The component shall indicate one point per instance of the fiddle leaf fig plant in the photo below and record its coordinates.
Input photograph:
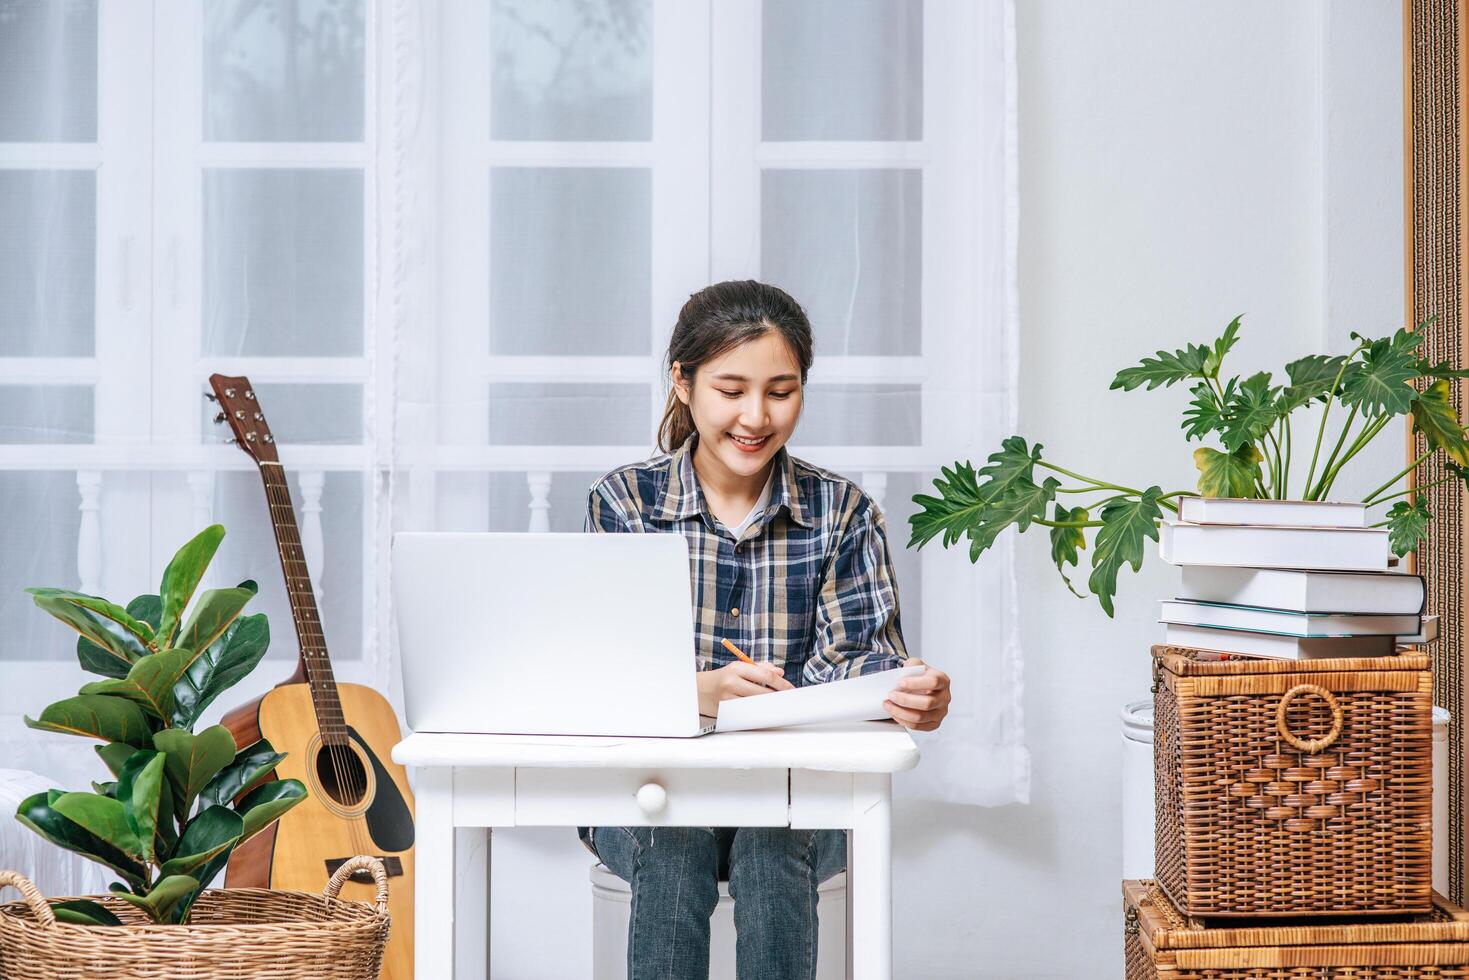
(179, 802)
(1250, 420)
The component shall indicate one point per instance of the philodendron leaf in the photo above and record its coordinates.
(1228, 474)
(208, 834)
(1379, 383)
(1204, 413)
(223, 664)
(1068, 542)
(1436, 417)
(1443, 369)
(81, 912)
(1407, 524)
(1250, 411)
(114, 640)
(1022, 504)
(36, 812)
(1222, 346)
(253, 765)
(1165, 369)
(193, 760)
(140, 790)
(212, 615)
(1312, 377)
(182, 576)
(150, 682)
(165, 896)
(102, 817)
(1011, 468)
(1125, 524)
(262, 805)
(100, 716)
(952, 514)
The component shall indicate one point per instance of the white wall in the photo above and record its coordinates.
(1180, 164)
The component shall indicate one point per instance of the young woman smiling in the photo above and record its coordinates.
(790, 563)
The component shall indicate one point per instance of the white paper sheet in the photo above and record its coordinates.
(853, 699)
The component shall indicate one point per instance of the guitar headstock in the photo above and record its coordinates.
(240, 409)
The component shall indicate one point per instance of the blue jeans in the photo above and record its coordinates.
(675, 872)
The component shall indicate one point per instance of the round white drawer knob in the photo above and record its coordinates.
(652, 798)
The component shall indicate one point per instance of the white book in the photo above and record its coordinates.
(1327, 548)
(1303, 590)
(1427, 634)
(852, 699)
(1283, 513)
(1184, 612)
(1279, 647)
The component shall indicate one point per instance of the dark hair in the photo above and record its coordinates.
(717, 319)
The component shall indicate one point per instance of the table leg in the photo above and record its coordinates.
(433, 890)
(472, 902)
(870, 881)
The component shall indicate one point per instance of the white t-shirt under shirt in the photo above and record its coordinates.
(760, 505)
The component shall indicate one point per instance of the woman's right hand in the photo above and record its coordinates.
(738, 680)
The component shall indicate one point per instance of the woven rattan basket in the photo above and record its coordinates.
(234, 934)
(1288, 787)
(1160, 944)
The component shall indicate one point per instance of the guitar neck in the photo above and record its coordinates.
(315, 664)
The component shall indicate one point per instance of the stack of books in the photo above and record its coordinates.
(1290, 579)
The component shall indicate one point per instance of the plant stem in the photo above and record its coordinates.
(1399, 475)
(1427, 486)
(1321, 430)
(1360, 443)
(1276, 468)
(1043, 521)
(1285, 490)
(1097, 484)
(1320, 488)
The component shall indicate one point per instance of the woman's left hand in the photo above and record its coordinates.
(921, 701)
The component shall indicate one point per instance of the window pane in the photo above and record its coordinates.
(570, 261)
(249, 551)
(530, 414)
(847, 244)
(572, 70)
(39, 550)
(842, 70)
(48, 246)
(861, 415)
(283, 71)
(48, 71)
(317, 414)
(45, 414)
(283, 262)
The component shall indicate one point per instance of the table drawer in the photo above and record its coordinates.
(653, 797)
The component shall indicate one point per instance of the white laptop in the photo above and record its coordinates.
(546, 633)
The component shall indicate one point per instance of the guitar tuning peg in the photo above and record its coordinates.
(250, 394)
(210, 396)
(269, 437)
(219, 418)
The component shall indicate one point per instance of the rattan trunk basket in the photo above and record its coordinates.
(234, 934)
(1289, 787)
(1160, 944)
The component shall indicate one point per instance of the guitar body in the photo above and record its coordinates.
(367, 809)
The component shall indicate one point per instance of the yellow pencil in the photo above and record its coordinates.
(738, 652)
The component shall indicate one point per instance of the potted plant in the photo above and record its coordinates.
(1249, 419)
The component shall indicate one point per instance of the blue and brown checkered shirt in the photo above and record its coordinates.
(809, 586)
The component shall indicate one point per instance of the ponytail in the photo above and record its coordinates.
(677, 424)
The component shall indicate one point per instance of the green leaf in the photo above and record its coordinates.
(982, 510)
(1068, 542)
(105, 789)
(264, 804)
(140, 790)
(81, 912)
(253, 764)
(1407, 525)
(101, 716)
(229, 659)
(115, 755)
(1204, 414)
(1437, 418)
(951, 514)
(1443, 369)
(1222, 346)
(1013, 466)
(95, 660)
(1380, 382)
(102, 817)
(1165, 369)
(1311, 378)
(108, 636)
(150, 682)
(1250, 411)
(193, 760)
(1228, 474)
(182, 576)
(212, 615)
(115, 614)
(36, 812)
(165, 896)
(1021, 504)
(210, 833)
(1125, 524)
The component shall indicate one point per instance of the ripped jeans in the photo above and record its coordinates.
(674, 873)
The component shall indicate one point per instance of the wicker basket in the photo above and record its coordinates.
(1290, 787)
(1160, 944)
(234, 934)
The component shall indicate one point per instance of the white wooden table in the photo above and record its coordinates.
(826, 776)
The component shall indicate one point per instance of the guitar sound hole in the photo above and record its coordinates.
(341, 775)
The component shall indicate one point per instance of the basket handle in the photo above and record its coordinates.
(32, 895)
(355, 864)
(1308, 746)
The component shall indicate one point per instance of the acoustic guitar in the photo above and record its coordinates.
(336, 737)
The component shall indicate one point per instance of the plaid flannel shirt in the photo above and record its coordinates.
(809, 586)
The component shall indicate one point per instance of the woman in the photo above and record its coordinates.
(790, 563)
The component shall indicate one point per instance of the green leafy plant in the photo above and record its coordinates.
(179, 802)
(1250, 419)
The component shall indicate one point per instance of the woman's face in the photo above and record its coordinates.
(745, 403)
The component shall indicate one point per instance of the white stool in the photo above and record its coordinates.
(612, 907)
